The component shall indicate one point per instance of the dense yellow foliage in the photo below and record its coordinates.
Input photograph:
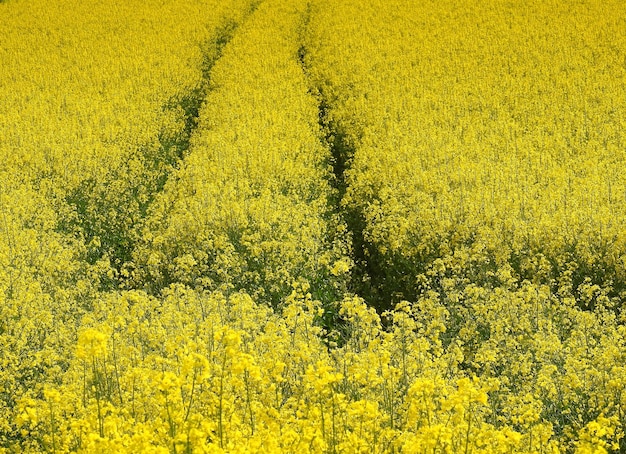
(90, 101)
(250, 207)
(93, 103)
(486, 134)
(203, 203)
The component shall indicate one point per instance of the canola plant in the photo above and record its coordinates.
(312, 226)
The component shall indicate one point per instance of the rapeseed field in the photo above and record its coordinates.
(325, 226)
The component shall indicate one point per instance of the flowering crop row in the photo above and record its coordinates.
(96, 102)
(483, 144)
(250, 208)
(93, 97)
(485, 135)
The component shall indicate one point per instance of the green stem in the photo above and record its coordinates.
(53, 428)
(247, 383)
